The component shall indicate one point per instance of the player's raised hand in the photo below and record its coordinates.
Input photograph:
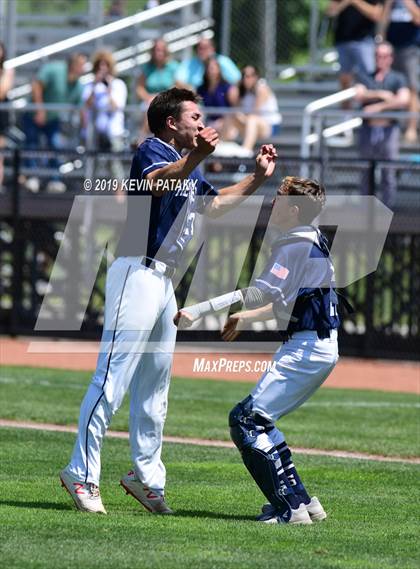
(183, 320)
(231, 328)
(206, 141)
(266, 161)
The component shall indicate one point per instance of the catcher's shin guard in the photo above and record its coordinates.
(262, 468)
(259, 456)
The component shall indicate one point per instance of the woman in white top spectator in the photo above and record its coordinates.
(105, 99)
(260, 117)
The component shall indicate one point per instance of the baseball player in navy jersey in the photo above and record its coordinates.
(140, 301)
(297, 288)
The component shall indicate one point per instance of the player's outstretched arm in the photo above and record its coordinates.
(241, 320)
(250, 298)
(206, 142)
(231, 196)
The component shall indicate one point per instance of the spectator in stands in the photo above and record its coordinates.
(158, 74)
(105, 99)
(354, 36)
(116, 9)
(216, 92)
(383, 90)
(56, 82)
(402, 18)
(6, 83)
(190, 73)
(260, 117)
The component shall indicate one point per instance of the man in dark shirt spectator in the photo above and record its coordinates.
(383, 90)
(403, 32)
(354, 36)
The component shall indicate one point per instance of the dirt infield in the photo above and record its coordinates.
(207, 442)
(350, 373)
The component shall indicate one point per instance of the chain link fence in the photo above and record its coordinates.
(267, 33)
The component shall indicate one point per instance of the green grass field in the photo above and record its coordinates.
(372, 506)
(366, 421)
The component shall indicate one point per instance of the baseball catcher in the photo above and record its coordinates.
(297, 288)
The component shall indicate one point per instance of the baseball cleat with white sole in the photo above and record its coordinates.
(266, 508)
(85, 495)
(149, 499)
(271, 516)
(315, 510)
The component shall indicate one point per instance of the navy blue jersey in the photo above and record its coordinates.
(300, 273)
(172, 214)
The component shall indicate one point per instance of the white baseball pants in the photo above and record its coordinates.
(137, 346)
(302, 364)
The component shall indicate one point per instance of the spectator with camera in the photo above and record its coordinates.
(105, 98)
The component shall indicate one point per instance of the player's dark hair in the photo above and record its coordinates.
(168, 104)
(297, 189)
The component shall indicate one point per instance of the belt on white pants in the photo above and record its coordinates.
(158, 266)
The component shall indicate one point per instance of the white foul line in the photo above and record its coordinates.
(208, 442)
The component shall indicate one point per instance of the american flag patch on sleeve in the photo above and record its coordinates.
(279, 271)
